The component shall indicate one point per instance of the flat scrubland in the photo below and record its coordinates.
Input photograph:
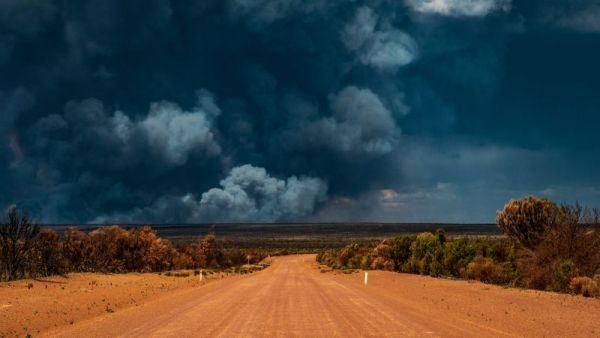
(293, 297)
(294, 237)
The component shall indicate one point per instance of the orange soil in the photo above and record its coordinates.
(57, 301)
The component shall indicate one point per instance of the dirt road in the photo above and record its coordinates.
(293, 298)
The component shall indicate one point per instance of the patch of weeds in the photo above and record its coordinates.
(181, 274)
(177, 274)
(30, 286)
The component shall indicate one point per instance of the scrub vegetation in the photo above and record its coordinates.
(546, 247)
(28, 252)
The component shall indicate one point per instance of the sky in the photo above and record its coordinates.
(189, 111)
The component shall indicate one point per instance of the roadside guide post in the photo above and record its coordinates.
(366, 277)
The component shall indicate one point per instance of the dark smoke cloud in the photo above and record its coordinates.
(360, 125)
(289, 110)
(112, 141)
(247, 194)
(383, 47)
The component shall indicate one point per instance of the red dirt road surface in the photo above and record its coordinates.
(294, 298)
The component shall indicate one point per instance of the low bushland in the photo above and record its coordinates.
(486, 259)
(546, 247)
(28, 252)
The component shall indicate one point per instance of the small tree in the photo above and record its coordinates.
(17, 236)
(48, 255)
(400, 250)
(576, 239)
(528, 219)
(77, 250)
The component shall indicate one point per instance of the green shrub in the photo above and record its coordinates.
(365, 262)
(427, 254)
(457, 255)
(400, 250)
(564, 273)
(354, 262)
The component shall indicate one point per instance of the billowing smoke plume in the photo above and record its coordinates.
(360, 125)
(106, 140)
(247, 194)
(459, 7)
(384, 48)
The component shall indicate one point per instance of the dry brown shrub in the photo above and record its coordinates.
(585, 286)
(349, 252)
(146, 252)
(204, 253)
(48, 255)
(576, 238)
(382, 263)
(77, 250)
(528, 219)
(570, 248)
(108, 248)
(18, 233)
(182, 260)
(383, 250)
(166, 256)
(481, 269)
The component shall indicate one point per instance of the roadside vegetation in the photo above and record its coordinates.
(546, 247)
(28, 251)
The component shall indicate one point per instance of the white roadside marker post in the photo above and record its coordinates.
(201, 274)
(366, 277)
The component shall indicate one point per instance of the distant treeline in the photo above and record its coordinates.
(26, 251)
(288, 238)
(547, 247)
